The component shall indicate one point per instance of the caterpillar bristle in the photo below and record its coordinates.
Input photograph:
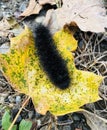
(52, 62)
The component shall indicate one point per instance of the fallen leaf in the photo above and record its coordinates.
(42, 2)
(33, 8)
(51, 22)
(22, 69)
(89, 15)
(4, 25)
(78, 129)
(7, 26)
(95, 121)
(4, 48)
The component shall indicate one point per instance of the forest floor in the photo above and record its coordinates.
(90, 46)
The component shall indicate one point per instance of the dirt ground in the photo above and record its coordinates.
(95, 116)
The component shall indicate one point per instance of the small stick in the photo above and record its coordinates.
(10, 128)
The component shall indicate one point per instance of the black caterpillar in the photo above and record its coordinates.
(50, 59)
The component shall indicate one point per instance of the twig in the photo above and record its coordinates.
(10, 128)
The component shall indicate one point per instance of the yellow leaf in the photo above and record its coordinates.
(22, 69)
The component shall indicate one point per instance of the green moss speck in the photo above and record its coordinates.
(4, 69)
(12, 51)
(22, 80)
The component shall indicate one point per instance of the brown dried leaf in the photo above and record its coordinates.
(78, 129)
(96, 122)
(4, 25)
(9, 26)
(33, 8)
(90, 15)
(51, 21)
(42, 2)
